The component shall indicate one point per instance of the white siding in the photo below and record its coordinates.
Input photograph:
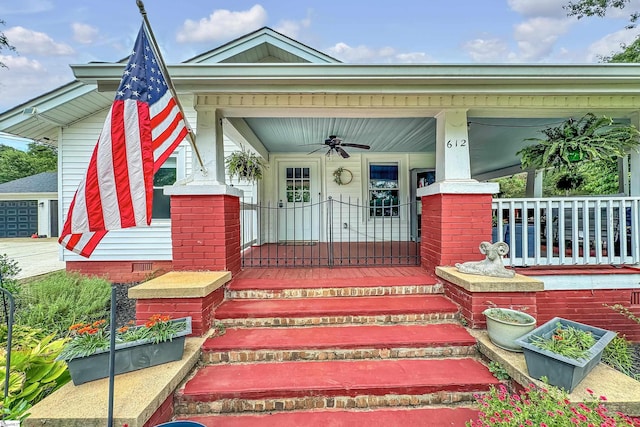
(141, 243)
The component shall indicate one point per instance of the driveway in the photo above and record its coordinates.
(34, 256)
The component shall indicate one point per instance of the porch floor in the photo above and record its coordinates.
(340, 254)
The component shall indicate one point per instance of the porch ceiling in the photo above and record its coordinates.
(493, 141)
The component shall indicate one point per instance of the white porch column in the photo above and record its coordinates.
(634, 162)
(534, 183)
(209, 141)
(452, 146)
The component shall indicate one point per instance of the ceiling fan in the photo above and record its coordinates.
(336, 144)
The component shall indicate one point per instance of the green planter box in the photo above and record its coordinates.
(562, 371)
(129, 357)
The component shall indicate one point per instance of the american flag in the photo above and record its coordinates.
(143, 127)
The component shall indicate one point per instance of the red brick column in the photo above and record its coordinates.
(205, 232)
(453, 226)
(201, 309)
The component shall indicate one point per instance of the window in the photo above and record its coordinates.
(384, 193)
(298, 185)
(166, 175)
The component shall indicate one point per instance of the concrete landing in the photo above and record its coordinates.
(622, 392)
(137, 395)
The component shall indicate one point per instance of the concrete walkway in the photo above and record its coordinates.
(34, 256)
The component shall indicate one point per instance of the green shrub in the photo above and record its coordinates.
(34, 371)
(619, 355)
(59, 300)
(8, 271)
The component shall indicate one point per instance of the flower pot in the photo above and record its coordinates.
(562, 371)
(129, 356)
(504, 325)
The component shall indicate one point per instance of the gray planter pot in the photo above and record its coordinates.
(559, 370)
(129, 357)
(505, 325)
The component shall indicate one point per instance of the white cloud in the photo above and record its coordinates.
(84, 33)
(365, 54)
(222, 24)
(538, 8)
(27, 78)
(610, 44)
(33, 42)
(292, 28)
(536, 37)
(486, 50)
(21, 64)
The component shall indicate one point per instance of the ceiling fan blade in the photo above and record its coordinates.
(317, 149)
(343, 153)
(347, 144)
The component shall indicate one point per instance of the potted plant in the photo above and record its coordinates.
(564, 351)
(245, 165)
(573, 142)
(504, 325)
(159, 340)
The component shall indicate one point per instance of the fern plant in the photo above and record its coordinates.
(245, 165)
(564, 147)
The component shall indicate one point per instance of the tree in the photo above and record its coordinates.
(15, 164)
(600, 8)
(4, 44)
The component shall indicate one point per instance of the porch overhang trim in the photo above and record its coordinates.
(537, 78)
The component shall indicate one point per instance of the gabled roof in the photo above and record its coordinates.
(263, 45)
(45, 182)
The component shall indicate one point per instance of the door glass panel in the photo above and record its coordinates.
(298, 185)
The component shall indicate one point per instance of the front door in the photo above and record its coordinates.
(299, 217)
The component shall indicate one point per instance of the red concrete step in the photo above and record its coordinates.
(366, 336)
(424, 417)
(335, 306)
(337, 378)
(328, 282)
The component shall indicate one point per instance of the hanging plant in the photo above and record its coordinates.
(338, 176)
(245, 165)
(567, 145)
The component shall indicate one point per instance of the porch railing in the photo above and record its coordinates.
(332, 232)
(569, 230)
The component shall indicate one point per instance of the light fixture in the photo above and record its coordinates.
(30, 111)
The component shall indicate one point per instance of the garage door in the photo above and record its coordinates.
(18, 218)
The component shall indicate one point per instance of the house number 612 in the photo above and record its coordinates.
(453, 143)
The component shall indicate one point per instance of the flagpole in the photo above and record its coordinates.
(167, 77)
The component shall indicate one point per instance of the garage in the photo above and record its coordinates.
(29, 206)
(18, 218)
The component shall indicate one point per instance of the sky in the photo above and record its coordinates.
(51, 34)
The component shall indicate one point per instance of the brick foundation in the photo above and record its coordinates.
(120, 271)
(587, 306)
(205, 232)
(453, 225)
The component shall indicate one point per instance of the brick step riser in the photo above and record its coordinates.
(247, 356)
(385, 319)
(334, 292)
(185, 407)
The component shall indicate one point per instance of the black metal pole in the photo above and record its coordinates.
(12, 308)
(112, 354)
